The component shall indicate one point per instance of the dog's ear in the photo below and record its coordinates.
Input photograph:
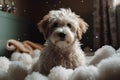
(42, 26)
(83, 26)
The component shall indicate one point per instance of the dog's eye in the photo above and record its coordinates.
(55, 25)
(69, 25)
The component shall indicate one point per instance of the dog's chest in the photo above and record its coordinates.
(67, 59)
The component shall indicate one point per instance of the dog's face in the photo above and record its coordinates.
(62, 27)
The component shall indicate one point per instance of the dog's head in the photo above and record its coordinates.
(62, 27)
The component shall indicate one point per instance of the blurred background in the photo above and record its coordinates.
(18, 19)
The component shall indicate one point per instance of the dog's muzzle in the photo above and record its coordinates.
(62, 36)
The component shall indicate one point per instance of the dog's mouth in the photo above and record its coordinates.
(62, 41)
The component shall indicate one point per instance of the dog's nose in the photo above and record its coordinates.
(62, 36)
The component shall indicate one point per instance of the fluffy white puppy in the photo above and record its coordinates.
(62, 30)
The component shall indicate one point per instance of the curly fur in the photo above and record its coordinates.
(61, 51)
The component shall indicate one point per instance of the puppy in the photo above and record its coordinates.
(62, 30)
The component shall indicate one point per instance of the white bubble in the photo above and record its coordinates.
(96, 37)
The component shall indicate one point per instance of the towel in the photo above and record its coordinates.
(23, 47)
